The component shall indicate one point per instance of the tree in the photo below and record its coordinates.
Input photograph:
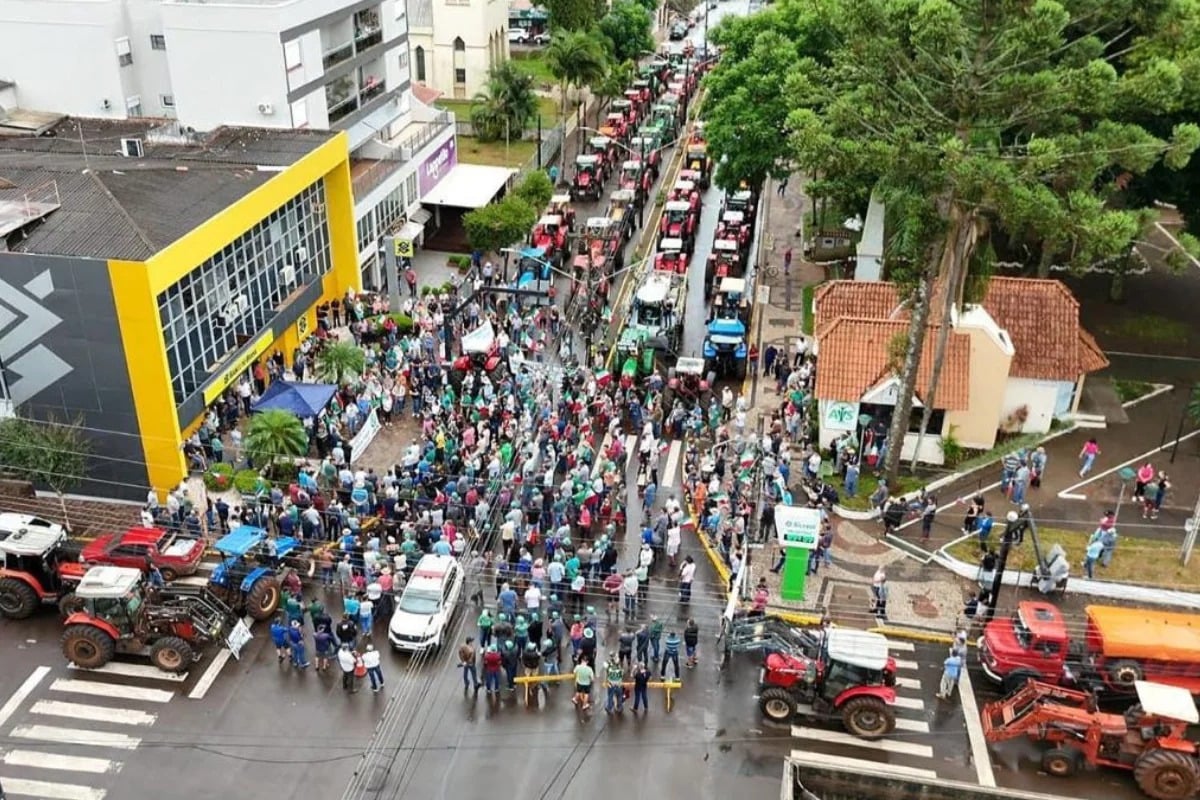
(576, 59)
(499, 225)
(535, 189)
(617, 78)
(49, 453)
(572, 15)
(972, 121)
(340, 362)
(626, 29)
(276, 435)
(1193, 404)
(506, 104)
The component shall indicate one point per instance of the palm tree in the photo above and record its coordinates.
(505, 105)
(340, 362)
(275, 435)
(612, 85)
(576, 59)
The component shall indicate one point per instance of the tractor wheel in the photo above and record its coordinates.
(868, 717)
(1017, 680)
(18, 600)
(168, 574)
(1167, 774)
(777, 704)
(171, 654)
(1060, 762)
(87, 646)
(1124, 673)
(68, 604)
(263, 598)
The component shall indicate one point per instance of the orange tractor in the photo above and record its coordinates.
(1149, 739)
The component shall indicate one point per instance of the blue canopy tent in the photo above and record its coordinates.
(302, 399)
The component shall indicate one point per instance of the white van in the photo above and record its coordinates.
(427, 605)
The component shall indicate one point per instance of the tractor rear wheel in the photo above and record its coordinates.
(1167, 774)
(868, 717)
(1060, 762)
(777, 704)
(171, 654)
(18, 600)
(68, 604)
(87, 646)
(1017, 679)
(263, 599)
(168, 574)
(1125, 673)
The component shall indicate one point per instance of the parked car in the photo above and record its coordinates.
(518, 36)
(174, 554)
(541, 38)
(427, 605)
(679, 31)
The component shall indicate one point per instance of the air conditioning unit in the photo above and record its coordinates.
(132, 148)
(266, 109)
(302, 253)
(288, 274)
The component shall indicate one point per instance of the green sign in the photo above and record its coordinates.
(797, 526)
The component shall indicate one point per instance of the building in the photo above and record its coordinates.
(455, 43)
(135, 288)
(1013, 363)
(279, 64)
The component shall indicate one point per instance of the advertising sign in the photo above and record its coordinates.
(798, 526)
(370, 428)
(239, 366)
(437, 166)
(840, 416)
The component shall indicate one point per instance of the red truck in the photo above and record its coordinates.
(174, 554)
(1119, 647)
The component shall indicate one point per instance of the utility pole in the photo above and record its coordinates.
(1014, 533)
(392, 271)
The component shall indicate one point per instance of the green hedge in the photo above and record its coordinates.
(219, 477)
(247, 481)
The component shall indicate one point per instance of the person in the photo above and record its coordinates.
(641, 681)
(280, 637)
(687, 573)
(370, 660)
(879, 594)
(347, 661)
(492, 664)
(1087, 456)
(485, 628)
(324, 646)
(951, 670)
(583, 685)
(466, 660)
(691, 639)
(615, 677)
(1094, 549)
(670, 654)
(299, 651)
(983, 529)
(346, 631)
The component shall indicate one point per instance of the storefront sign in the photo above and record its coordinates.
(840, 416)
(369, 430)
(437, 166)
(404, 248)
(798, 526)
(235, 370)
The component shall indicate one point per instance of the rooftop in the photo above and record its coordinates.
(872, 299)
(854, 352)
(115, 207)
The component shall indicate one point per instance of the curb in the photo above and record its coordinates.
(1159, 389)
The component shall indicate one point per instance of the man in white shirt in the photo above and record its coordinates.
(370, 658)
(533, 598)
(687, 573)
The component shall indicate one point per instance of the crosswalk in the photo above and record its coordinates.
(907, 751)
(669, 470)
(70, 735)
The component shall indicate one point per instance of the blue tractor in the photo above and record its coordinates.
(725, 350)
(247, 577)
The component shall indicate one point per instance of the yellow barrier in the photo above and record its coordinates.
(536, 680)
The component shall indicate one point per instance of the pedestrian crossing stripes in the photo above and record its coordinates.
(668, 473)
(44, 760)
(145, 671)
(18, 787)
(119, 716)
(843, 739)
(79, 736)
(111, 690)
(831, 760)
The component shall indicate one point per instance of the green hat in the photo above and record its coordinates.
(531, 648)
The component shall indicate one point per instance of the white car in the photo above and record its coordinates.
(541, 38)
(518, 35)
(427, 605)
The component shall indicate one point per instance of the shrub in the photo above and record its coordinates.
(219, 477)
(448, 287)
(952, 450)
(247, 481)
(425, 290)
(459, 261)
(404, 323)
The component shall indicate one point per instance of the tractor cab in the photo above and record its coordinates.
(696, 160)
(685, 190)
(597, 245)
(37, 565)
(725, 349)
(625, 109)
(732, 227)
(560, 204)
(723, 261)
(644, 89)
(659, 67)
(635, 178)
(678, 225)
(741, 200)
(634, 99)
(686, 381)
(605, 148)
(623, 205)
(550, 236)
(666, 115)
(671, 257)
(730, 301)
(615, 126)
(680, 87)
(587, 178)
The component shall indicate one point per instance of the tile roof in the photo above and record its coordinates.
(867, 299)
(1042, 319)
(854, 358)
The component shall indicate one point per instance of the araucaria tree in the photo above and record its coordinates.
(974, 118)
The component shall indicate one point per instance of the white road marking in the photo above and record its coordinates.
(630, 448)
(840, 738)
(912, 703)
(118, 716)
(902, 664)
(136, 671)
(1070, 494)
(111, 690)
(912, 725)
(210, 675)
(979, 749)
(668, 477)
(844, 762)
(53, 733)
(906, 647)
(41, 760)
(191, 580)
(908, 683)
(21, 694)
(51, 791)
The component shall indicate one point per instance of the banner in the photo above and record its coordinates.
(367, 433)
(479, 340)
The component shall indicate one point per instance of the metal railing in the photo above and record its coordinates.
(397, 154)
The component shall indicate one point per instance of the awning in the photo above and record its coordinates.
(421, 216)
(410, 231)
(468, 186)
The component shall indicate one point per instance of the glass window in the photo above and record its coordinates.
(133, 106)
(410, 188)
(460, 75)
(124, 51)
(300, 114)
(291, 55)
(420, 52)
(158, 41)
(459, 45)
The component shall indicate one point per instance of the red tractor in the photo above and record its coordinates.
(588, 181)
(606, 148)
(742, 200)
(723, 262)
(550, 235)
(733, 227)
(685, 190)
(625, 108)
(671, 257)
(560, 205)
(636, 106)
(635, 178)
(37, 565)
(678, 225)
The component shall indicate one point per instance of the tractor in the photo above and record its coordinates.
(606, 149)
(731, 301)
(733, 227)
(37, 565)
(724, 348)
(837, 673)
(635, 178)
(615, 126)
(671, 257)
(650, 143)
(698, 161)
(678, 224)
(741, 200)
(1150, 738)
(117, 612)
(636, 106)
(685, 191)
(247, 578)
(588, 181)
(623, 206)
(723, 262)
(666, 114)
(560, 205)
(550, 236)
(625, 108)
(687, 383)
(645, 89)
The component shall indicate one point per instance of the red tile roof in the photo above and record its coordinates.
(854, 359)
(426, 95)
(1042, 319)
(866, 299)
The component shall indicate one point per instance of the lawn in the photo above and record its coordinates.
(1142, 561)
(472, 151)
(1149, 329)
(866, 485)
(462, 110)
(1131, 390)
(534, 63)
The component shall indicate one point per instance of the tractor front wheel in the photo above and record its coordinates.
(87, 646)
(1167, 774)
(868, 717)
(263, 599)
(777, 704)
(69, 603)
(1125, 673)
(1060, 762)
(18, 600)
(171, 654)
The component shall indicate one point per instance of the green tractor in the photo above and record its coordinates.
(655, 324)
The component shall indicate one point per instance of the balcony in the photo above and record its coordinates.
(331, 58)
(337, 43)
(378, 158)
(341, 98)
(370, 80)
(367, 30)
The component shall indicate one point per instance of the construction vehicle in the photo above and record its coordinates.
(588, 181)
(671, 257)
(1150, 739)
(654, 325)
(606, 149)
(679, 225)
(118, 612)
(636, 178)
(560, 205)
(723, 262)
(622, 210)
(550, 237)
(832, 673)
(247, 579)
(1119, 647)
(38, 566)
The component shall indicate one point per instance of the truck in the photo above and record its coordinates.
(1119, 647)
